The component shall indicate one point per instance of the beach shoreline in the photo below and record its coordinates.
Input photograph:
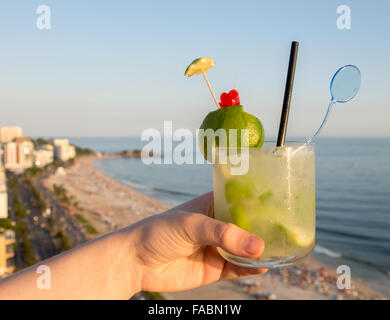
(108, 205)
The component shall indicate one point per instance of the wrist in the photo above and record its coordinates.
(125, 272)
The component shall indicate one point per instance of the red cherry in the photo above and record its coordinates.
(235, 97)
(229, 99)
(225, 100)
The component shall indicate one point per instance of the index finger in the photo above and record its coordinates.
(203, 204)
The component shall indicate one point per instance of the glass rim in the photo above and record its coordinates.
(288, 144)
(290, 141)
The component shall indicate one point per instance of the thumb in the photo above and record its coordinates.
(204, 230)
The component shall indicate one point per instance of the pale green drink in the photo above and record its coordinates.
(275, 200)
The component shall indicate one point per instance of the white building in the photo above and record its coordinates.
(44, 155)
(18, 154)
(7, 134)
(3, 204)
(3, 194)
(63, 150)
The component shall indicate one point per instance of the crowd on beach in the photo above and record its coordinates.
(305, 276)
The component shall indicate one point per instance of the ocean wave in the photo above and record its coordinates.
(328, 252)
(135, 185)
(174, 192)
(336, 255)
(352, 235)
(155, 189)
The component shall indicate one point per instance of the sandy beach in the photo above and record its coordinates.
(105, 203)
(109, 205)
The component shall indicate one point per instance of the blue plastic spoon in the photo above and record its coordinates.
(344, 86)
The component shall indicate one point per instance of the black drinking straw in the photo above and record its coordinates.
(287, 94)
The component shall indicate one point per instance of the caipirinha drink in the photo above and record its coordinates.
(275, 200)
(275, 197)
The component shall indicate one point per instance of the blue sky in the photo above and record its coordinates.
(114, 68)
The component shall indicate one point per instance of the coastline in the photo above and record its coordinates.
(109, 205)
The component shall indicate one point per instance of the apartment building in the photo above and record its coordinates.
(18, 154)
(63, 150)
(44, 155)
(7, 237)
(3, 194)
(7, 134)
(7, 252)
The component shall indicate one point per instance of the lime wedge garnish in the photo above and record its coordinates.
(239, 188)
(233, 117)
(265, 196)
(239, 216)
(297, 236)
(199, 65)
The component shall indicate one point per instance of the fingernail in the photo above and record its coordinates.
(251, 245)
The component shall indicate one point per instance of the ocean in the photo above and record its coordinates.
(352, 196)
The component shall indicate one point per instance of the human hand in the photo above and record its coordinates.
(176, 250)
